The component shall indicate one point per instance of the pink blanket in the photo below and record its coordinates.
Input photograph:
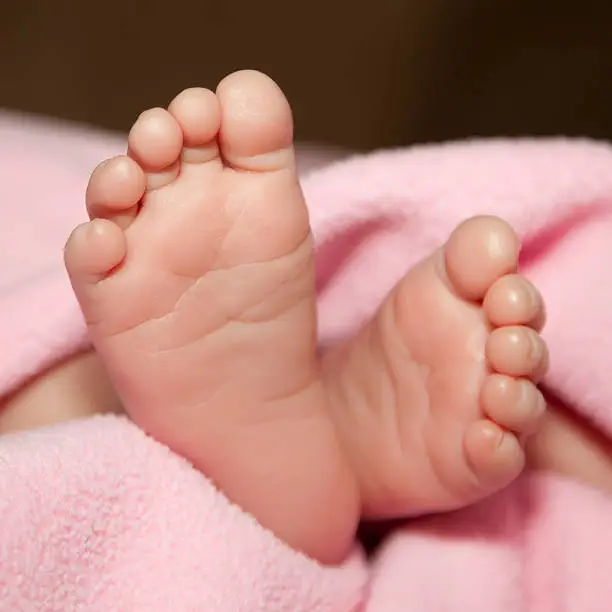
(96, 516)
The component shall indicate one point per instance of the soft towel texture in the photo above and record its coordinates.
(96, 516)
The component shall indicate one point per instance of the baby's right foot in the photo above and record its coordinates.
(196, 278)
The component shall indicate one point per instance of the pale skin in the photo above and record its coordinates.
(196, 272)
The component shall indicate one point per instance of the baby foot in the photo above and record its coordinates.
(196, 279)
(433, 397)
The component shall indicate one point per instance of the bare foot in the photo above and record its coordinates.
(196, 278)
(432, 396)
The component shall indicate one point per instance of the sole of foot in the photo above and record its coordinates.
(196, 278)
(435, 396)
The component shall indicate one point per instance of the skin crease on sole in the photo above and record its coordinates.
(197, 272)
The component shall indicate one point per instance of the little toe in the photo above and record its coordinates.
(515, 404)
(155, 142)
(494, 454)
(198, 113)
(93, 250)
(114, 190)
(256, 123)
(513, 300)
(517, 351)
(479, 252)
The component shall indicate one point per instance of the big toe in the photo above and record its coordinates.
(256, 123)
(479, 252)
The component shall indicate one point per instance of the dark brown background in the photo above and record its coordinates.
(359, 73)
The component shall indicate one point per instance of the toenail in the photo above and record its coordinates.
(541, 406)
(531, 400)
(537, 351)
(95, 228)
(496, 245)
(493, 434)
(531, 294)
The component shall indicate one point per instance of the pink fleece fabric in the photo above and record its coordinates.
(96, 516)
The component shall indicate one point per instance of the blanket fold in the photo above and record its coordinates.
(96, 516)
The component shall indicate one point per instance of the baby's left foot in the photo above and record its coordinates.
(434, 395)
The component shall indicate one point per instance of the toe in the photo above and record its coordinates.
(114, 190)
(93, 250)
(256, 123)
(515, 404)
(513, 300)
(198, 113)
(479, 252)
(495, 455)
(517, 351)
(155, 142)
